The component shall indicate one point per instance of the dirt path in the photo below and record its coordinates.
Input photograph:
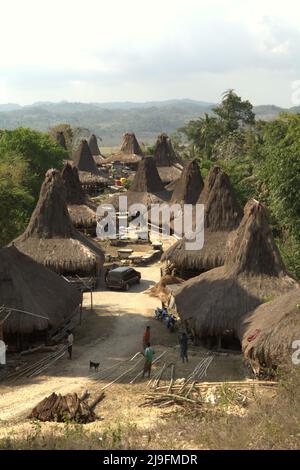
(112, 333)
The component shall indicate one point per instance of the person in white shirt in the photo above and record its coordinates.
(70, 341)
(3, 348)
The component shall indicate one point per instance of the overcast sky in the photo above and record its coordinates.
(142, 50)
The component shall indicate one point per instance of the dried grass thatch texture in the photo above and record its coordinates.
(81, 213)
(93, 145)
(29, 286)
(168, 164)
(83, 159)
(188, 188)
(50, 237)
(217, 301)
(146, 187)
(147, 178)
(73, 190)
(160, 291)
(60, 139)
(222, 214)
(130, 144)
(268, 333)
(164, 154)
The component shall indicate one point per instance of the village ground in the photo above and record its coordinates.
(111, 334)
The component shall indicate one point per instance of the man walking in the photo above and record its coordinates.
(70, 341)
(183, 341)
(148, 353)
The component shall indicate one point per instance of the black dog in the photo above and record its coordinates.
(95, 365)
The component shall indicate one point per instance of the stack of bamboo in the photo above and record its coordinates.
(64, 408)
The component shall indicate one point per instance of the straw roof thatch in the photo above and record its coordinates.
(50, 237)
(216, 301)
(222, 214)
(60, 139)
(83, 159)
(164, 154)
(93, 145)
(146, 188)
(130, 151)
(188, 188)
(81, 212)
(27, 285)
(160, 290)
(267, 334)
(168, 164)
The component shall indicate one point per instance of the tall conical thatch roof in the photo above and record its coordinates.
(147, 178)
(130, 144)
(168, 164)
(73, 190)
(130, 152)
(164, 154)
(188, 188)
(146, 187)
(222, 214)
(216, 301)
(83, 159)
(27, 285)
(93, 145)
(81, 213)
(268, 333)
(50, 237)
(60, 139)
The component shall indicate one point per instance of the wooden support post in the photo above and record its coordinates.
(80, 313)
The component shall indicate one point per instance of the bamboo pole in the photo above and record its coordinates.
(141, 372)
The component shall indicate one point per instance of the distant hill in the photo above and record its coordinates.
(110, 120)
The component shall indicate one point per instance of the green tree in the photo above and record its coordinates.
(38, 150)
(16, 202)
(233, 112)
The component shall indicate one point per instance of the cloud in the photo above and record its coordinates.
(146, 50)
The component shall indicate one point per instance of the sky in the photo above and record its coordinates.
(138, 50)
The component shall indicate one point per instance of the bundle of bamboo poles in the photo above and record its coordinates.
(193, 393)
(38, 367)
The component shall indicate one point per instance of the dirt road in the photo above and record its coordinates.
(111, 333)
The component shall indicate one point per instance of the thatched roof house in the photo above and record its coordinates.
(130, 152)
(89, 175)
(27, 286)
(168, 164)
(51, 239)
(82, 215)
(188, 188)
(222, 215)
(215, 303)
(268, 333)
(93, 145)
(160, 289)
(60, 139)
(146, 188)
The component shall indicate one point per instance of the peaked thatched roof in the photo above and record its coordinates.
(160, 290)
(164, 154)
(188, 188)
(130, 151)
(60, 139)
(83, 159)
(27, 285)
(222, 214)
(130, 144)
(73, 190)
(147, 178)
(93, 145)
(81, 212)
(217, 301)
(268, 333)
(50, 237)
(146, 187)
